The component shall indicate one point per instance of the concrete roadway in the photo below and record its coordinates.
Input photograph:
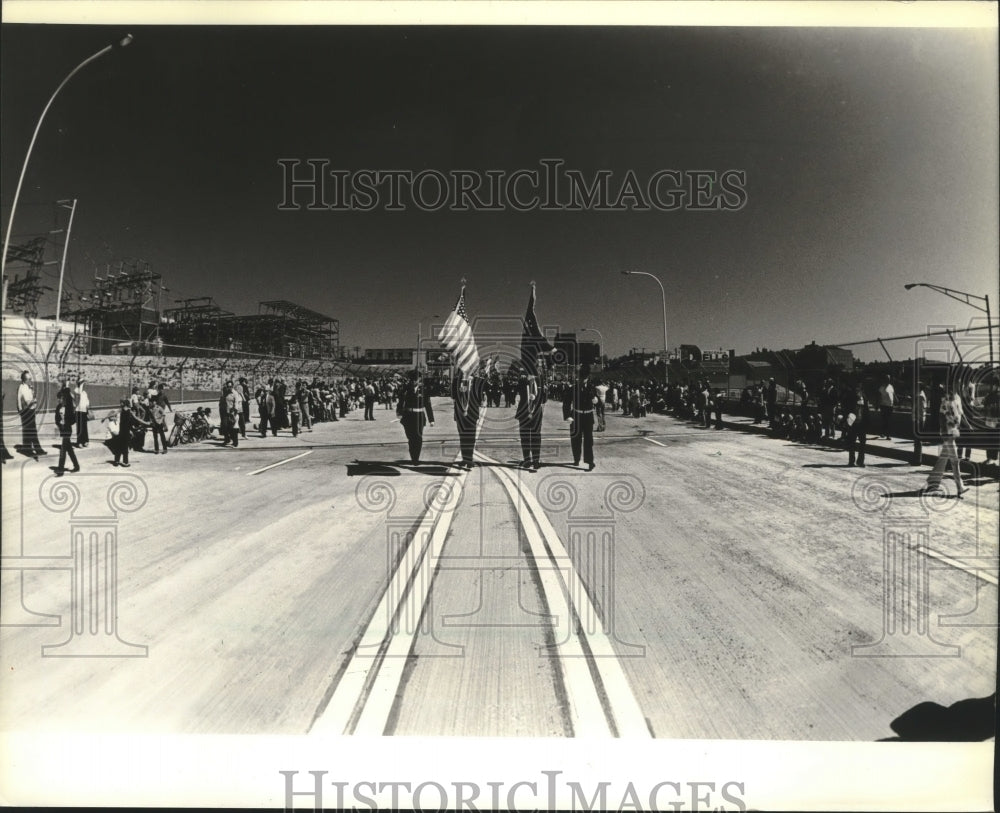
(697, 584)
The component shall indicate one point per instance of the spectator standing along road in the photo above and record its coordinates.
(82, 414)
(886, 401)
(856, 409)
(26, 407)
(950, 420)
(919, 423)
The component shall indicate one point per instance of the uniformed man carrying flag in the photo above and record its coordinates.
(467, 393)
(530, 404)
(468, 384)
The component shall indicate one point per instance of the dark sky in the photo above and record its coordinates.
(870, 158)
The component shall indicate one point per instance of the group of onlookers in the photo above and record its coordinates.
(145, 411)
(72, 411)
(306, 403)
(852, 415)
(939, 412)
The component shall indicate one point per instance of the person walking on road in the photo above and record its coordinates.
(244, 389)
(158, 423)
(4, 454)
(229, 411)
(414, 411)
(121, 432)
(920, 405)
(265, 410)
(718, 402)
(159, 404)
(950, 421)
(467, 393)
(27, 406)
(704, 404)
(855, 407)
(771, 403)
(579, 401)
(529, 408)
(237, 393)
(602, 394)
(294, 413)
(82, 406)
(886, 401)
(65, 418)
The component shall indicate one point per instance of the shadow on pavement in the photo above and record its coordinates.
(518, 464)
(913, 492)
(393, 468)
(971, 720)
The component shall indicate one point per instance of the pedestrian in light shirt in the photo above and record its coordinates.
(82, 398)
(951, 415)
(27, 406)
(886, 401)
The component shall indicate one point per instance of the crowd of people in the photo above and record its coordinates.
(280, 406)
(839, 413)
(853, 414)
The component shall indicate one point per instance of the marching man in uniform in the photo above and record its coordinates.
(467, 393)
(414, 410)
(531, 395)
(579, 403)
(528, 411)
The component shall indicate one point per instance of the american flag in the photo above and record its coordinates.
(456, 335)
(533, 342)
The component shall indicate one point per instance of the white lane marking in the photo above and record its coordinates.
(363, 699)
(959, 565)
(644, 437)
(374, 717)
(390, 630)
(586, 712)
(279, 463)
(628, 719)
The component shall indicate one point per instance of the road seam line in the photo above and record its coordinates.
(628, 719)
(587, 715)
(363, 699)
(279, 463)
(347, 704)
(381, 696)
(957, 564)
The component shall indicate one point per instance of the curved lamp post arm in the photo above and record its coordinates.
(663, 294)
(965, 298)
(24, 168)
(961, 296)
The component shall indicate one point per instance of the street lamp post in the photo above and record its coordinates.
(961, 296)
(663, 294)
(600, 344)
(123, 42)
(420, 335)
(62, 265)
